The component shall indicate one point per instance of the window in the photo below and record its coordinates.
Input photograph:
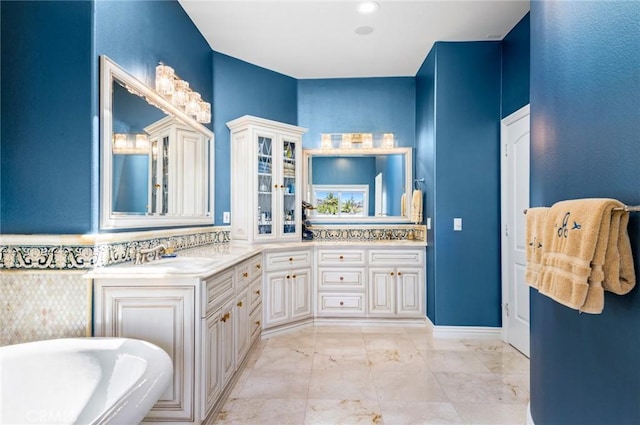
(340, 201)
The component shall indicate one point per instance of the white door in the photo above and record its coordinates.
(515, 199)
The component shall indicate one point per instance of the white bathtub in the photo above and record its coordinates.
(81, 381)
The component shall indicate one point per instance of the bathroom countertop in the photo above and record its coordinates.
(207, 260)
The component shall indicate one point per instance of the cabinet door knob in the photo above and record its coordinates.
(290, 258)
(275, 186)
(258, 266)
(341, 278)
(258, 292)
(157, 186)
(281, 186)
(288, 277)
(341, 303)
(391, 273)
(294, 276)
(258, 322)
(245, 274)
(399, 273)
(342, 257)
(239, 304)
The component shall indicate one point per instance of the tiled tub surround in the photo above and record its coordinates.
(44, 295)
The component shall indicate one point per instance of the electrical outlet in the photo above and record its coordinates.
(457, 224)
(226, 217)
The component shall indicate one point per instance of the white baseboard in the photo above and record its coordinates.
(466, 332)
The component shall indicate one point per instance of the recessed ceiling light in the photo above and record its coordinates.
(368, 7)
(364, 30)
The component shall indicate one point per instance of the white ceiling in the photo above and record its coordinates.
(317, 39)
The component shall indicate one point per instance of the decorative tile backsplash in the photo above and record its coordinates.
(87, 252)
(369, 233)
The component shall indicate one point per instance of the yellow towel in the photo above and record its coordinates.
(619, 273)
(403, 204)
(575, 242)
(416, 207)
(536, 220)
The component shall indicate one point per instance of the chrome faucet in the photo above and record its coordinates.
(144, 255)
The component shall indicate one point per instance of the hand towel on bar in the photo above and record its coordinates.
(403, 204)
(574, 246)
(536, 220)
(416, 207)
(619, 273)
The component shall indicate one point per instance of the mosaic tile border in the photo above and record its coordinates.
(86, 252)
(368, 233)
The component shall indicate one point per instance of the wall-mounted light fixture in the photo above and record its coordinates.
(178, 92)
(131, 144)
(357, 140)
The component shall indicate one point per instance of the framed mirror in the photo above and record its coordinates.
(358, 185)
(156, 161)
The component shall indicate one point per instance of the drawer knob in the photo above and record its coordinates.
(342, 257)
(290, 258)
(391, 273)
(239, 304)
(245, 274)
(341, 278)
(341, 303)
(258, 292)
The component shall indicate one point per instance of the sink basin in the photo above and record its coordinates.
(81, 380)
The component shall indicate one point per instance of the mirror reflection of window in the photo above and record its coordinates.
(340, 201)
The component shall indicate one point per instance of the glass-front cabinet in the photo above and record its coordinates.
(265, 180)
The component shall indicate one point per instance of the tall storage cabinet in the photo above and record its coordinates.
(265, 180)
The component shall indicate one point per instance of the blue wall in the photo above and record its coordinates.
(465, 180)
(245, 89)
(50, 132)
(48, 106)
(515, 67)
(426, 164)
(357, 105)
(585, 142)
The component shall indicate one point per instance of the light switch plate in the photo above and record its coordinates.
(428, 223)
(457, 224)
(226, 217)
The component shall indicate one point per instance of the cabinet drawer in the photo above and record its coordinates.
(243, 275)
(288, 259)
(216, 290)
(339, 304)
(255, 267)
(255, 324)
(341, 278)
(255, 293)
(339, 256)
(396, 257)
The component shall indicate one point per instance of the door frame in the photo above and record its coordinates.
(504, 183)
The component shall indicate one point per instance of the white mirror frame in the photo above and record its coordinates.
(408, 178)
(109, 71)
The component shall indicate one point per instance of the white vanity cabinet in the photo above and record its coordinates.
(204, 324)
(396, 283)
(287, 287)
(265, 180)
(161, 311)
(341, 282)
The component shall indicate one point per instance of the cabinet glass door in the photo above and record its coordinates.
(289, 186)
(266, 185)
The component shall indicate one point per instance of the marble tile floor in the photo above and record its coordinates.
(331, 375)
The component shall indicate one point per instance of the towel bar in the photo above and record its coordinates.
(626, 208)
